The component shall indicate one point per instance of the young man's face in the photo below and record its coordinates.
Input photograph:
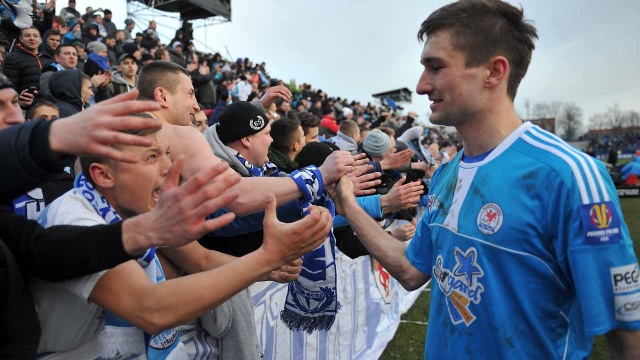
(182, 104)
(31, 39)
(86, 92)
(46, 112)
(10, 112)
(79, 51)
(53, 41)
(111, 42)
(200, 121)
(137, 185)
(258, 153)
(311, 135)
(454, 90)
(128, 67)
(68, 57)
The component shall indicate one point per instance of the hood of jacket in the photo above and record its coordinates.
(117, 78)
(223, 152)
(344, 142)
(66, 86)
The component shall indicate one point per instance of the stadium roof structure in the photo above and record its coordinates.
(192, 9)
(398, 95)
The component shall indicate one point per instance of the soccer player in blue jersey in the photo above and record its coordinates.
(524, 241)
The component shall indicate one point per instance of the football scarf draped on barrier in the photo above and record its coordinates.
(312, 301)
(120, 337)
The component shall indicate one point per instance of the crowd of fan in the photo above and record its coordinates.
(73, 65)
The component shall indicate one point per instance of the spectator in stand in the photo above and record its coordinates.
(43, 109)
(112, 53)
(98, 17)
(4, 44)
(224, 98)
(23, 66)
(109, 26)
(272, 112)
(242, 89)
(72, 89)
(328, 125)
(82, 55)
(98, 60)
(129, 25)
(90, 33)
(138, 38)
(177, 57)
(69, 13)
(310, 125)
(86, 18)
(51, 41)
(123, 79)
(199, 120)
(119, 42)
(66, 58)
(145, 59)
(60, 25)
(74, 33)
(347, 114)
(162, 54)
(412, 116)
(152, 27)
(288, 141)
(348, 136)
(150, 40)
(202, 79)
(284, 107)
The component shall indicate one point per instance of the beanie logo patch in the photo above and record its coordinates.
(257, 124)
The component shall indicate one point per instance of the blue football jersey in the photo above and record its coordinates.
(528, 251)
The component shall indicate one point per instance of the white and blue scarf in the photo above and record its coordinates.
(312, 302)
(120, 337)
(267, 170)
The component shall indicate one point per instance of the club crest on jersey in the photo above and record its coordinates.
(461, 285)
(490, 219)
(601, 223)
(433, 203)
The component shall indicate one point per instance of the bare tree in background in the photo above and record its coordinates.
(570, 120)
(615, 119)
(546, 110)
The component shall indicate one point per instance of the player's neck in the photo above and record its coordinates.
(489, 129)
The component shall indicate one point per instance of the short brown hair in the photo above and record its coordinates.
(86, 161)
(349, 127)
(307, 121)
(156, 74)
(485, 28)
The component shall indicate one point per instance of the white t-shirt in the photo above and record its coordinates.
(70, 322)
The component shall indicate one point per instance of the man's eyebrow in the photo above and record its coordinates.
(429, 60)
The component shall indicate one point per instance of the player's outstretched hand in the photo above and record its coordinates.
(402, 196)
(363, 183)
(285, 242)
(180, 215)
(95, 130)
(338, 163)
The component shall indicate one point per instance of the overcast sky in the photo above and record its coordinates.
(588, 51)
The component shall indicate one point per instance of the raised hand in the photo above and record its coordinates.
(273, 93)
(95, 130)
(287, 272)
(363, 183)
(285, 242)
(402, 196)
(395, 160)
(26, 98)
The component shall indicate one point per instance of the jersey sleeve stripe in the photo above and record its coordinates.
(582, 157)
(572, 164)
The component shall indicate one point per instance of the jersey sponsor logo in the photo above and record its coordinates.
(490, 219)
(601, 223)
(627, 307)
(625, 278)
(461, 285)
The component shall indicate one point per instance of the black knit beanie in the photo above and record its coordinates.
(240, 119)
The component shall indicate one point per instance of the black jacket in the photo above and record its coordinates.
(23, 68)
(66, 87)
(203, 84)
(109, 26)
(26, 249)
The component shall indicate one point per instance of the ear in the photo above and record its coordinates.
(497, 72)
(295, 146)
(102, 175)
(246, 141)
(160, 95)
